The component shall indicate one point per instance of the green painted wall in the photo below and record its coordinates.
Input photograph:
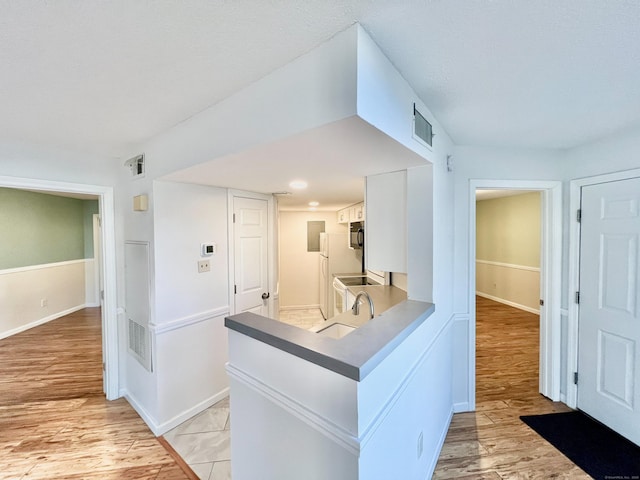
(36, 228)
(508, 230)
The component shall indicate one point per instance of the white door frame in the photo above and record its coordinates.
(97, 250)
(109, 310)
(550, 276)
(231, 194)
(574, 271)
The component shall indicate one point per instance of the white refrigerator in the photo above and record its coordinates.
(335, 257)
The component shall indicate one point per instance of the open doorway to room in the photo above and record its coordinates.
(51, 320)
(100, 316)
(549, 365)
(508, 253)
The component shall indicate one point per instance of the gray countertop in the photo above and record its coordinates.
(383, 296)
(355, 355)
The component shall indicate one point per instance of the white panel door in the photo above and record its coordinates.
(250, 252)
(609, 324)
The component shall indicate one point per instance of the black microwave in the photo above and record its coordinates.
(356, 235)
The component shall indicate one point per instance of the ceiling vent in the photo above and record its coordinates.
(422, 129)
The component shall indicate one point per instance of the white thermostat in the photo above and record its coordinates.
(208, 249)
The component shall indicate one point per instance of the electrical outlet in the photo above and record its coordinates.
(44, 302)
(419, 450)
(204, 266)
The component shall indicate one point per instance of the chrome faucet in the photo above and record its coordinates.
(356, 305)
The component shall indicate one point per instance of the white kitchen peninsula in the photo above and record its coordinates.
(308, 406)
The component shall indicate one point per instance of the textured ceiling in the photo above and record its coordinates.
(101, 76)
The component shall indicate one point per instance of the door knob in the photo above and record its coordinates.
(265, 296)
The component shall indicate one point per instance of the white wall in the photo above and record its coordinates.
(188, 338)
(46, 167)
(616, 153)
(482, 163)
(47, 163)
(61, 285)
(367, 430)
(300, 269)
(499, 164)
(91, 289)
(313, 90)
(185, 216)
(407, 396)
(386, 101)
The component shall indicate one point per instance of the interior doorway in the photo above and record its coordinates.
(508, 252)
(549, 291)
(108, 271)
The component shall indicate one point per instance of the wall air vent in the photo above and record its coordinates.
(422, 129)
(136, 165)
(138, 343)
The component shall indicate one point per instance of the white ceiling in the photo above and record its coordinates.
(100, 77)
(332, 159)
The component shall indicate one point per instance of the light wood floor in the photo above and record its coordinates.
(493, 443)
(55, 422)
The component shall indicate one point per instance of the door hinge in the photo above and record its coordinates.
(579, 215)
(234, 218)
(541, 302)
(101, 294)
(578, 298)
(575, 378)
(99, 221)
(235, 289)
(104, 367)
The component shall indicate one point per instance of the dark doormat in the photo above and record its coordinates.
(596, 449)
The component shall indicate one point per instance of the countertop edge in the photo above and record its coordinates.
(353, 356)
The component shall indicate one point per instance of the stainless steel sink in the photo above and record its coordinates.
(337, 330)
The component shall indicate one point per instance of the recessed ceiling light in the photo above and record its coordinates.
(298, 184)
(314, 204)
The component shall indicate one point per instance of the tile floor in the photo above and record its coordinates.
(204, 440)
(303, 318)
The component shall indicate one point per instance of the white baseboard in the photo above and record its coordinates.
(299, 307)
(507, 302)
(443, 436)
(196, 409)
(41, 321)
(161, 428)
(146, 416)
(461, 407)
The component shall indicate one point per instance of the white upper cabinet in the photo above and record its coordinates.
(354, 213)
(386, 226)
(343, 215)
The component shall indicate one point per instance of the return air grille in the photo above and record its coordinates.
(138, 343)
(422, 129)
